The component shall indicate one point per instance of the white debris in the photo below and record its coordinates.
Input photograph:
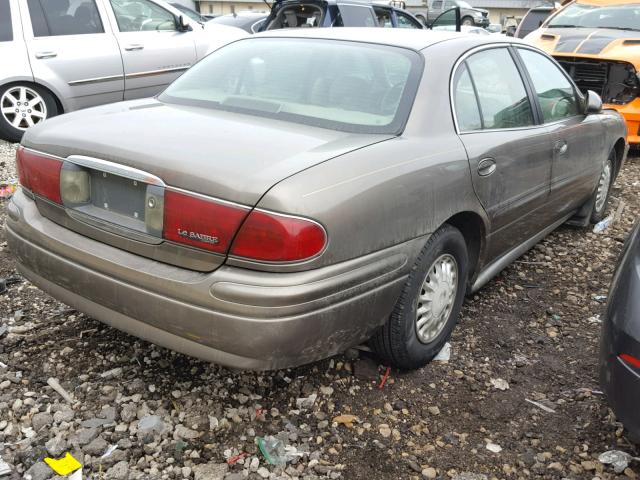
(53, 383)
(500, 384)
(494, 447)
(540, 406)
(443, 355)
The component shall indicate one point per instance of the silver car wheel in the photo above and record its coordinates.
(603, 186)
(22, 107)
(436, 298)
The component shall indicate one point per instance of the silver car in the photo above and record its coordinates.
(62, 55)
(299, 192)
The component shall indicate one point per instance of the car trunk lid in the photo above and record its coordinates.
(132, 153)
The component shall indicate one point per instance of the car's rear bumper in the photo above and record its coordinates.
(621, 384)
(232, 316)
(631, 115)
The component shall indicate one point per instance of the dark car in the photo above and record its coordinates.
(247, 21)
(620, 344)
(336, 13)
(532, 20)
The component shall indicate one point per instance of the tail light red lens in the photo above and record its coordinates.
(39, 173)
(272, 237)
(200, 222)
(631, 360)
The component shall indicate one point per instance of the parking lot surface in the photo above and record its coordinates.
(518, 398)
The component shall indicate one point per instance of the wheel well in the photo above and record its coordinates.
(472, 228)
(39, 85)
(619, 149)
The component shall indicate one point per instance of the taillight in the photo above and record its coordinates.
(631, 360)
(272, 237)
(200, 222)
(39, 173)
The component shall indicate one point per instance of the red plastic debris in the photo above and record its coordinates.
(387, 372)
(237, 458)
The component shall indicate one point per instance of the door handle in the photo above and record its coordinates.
(134, 46)
(486, 167)
(42, 55)
(561, 147)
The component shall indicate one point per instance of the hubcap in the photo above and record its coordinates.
(22, 107)
(436, 298)
(603, 186)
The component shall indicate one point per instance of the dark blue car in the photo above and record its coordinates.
(620, 344)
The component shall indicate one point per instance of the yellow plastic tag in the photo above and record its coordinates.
(63, 466)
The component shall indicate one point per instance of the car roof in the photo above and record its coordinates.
(414, 39)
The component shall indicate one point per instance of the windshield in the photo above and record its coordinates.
(463, 4)
(578, 15)
(345, 86)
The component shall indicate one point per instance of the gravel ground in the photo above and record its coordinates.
(531, 334)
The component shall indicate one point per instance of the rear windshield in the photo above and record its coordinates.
(622, 17)
(348, 86)
(6, 30)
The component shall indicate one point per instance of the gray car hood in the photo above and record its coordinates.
(227, 155)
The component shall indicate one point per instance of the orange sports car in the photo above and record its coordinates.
(598, 44)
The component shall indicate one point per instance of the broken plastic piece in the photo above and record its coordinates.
(7, 189)
(63, 466)
(617, 459)
(387, 372)
(151, 423)
(275, 451)
(444, 354)
(540, 406)
(602, 225)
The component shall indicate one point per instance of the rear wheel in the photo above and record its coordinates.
(429, 305)
(602, 193)
(23, 106)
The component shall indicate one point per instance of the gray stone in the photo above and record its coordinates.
(56, 446)
(38, 471)
(84, 436)
(41, 420)
(120, 471)
(210, 471)
(185, 433)
(96, 447)
(64, 414)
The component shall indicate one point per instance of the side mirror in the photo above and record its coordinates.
(448, 20)
(594, 103)
(183, 25)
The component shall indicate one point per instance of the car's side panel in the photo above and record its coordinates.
(395, 190)
(15, 59)
(515, 195)
(61, 64)
(576, 167)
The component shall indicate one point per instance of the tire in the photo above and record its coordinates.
(467, 21)
(23, 105)
(603, 190)
(398, 342)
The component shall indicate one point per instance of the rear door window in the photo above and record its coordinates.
(504, 102)
(6, 30)
(64, 17)
(356, 16)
